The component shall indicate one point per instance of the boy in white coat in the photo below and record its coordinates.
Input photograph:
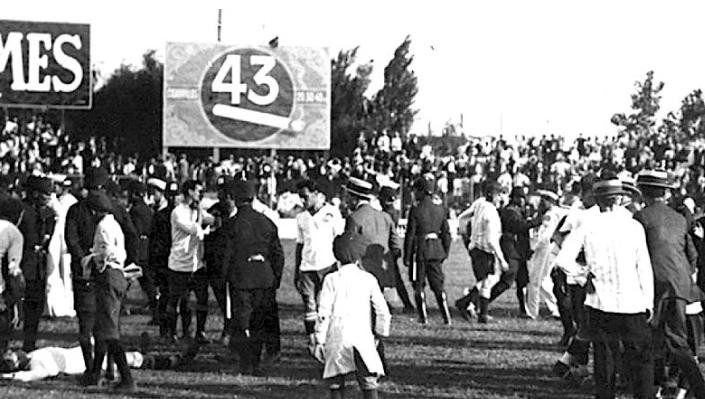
(346, 337)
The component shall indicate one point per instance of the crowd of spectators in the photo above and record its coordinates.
(33, 146)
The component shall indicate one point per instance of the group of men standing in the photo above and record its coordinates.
(624, 272)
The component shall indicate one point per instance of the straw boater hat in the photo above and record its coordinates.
(630, 185)
(548, 194)
(653, 178)
(359, 187)
(608, 188)
(157, 183)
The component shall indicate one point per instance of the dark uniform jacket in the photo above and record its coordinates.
(673, 255)
(141, 216)
(424, 219)
(37, 226)
(160, 238)
(80, 229)
(515, 240)
(253, 256)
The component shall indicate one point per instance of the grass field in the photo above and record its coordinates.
(509, 358)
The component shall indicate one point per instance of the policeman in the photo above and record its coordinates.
(141, 216)
(253, 263)
(163, 195)
(37, 226)
(427, 243)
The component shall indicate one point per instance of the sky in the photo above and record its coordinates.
(508, 66)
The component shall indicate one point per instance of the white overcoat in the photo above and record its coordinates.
(345, 320)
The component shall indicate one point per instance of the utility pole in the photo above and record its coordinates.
(216, 150)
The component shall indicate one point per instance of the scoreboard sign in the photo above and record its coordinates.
(246, 96)
(45, 64)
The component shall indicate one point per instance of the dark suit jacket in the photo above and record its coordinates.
(160, 238)
(385, 244)
(673, 254)
(425, 218)
(141, 216)
(515, 241)
(247, 234)
(37, 227)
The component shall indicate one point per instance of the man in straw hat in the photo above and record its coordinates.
(376, 226)
(619, 290)
(674, 258)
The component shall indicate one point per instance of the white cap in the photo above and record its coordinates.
(157, 183)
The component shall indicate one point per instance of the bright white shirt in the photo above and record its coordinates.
(485, 226)
(186, 239)
(51, 361)
(11, 242)
(316, 232)
(109, 244)
(617, 255)
(573, 220)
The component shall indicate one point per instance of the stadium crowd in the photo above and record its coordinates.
(79, 222)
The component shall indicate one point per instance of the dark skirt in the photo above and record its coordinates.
(110, 290)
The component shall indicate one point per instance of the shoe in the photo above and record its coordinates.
(484, 318)
(202, 339)
(561, 370)
(145, 342)
(89, 379)
(125, 386)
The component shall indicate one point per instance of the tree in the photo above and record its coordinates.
(392, 105)
(348, 102)
(128, 107)
(645, 103)
(692, 115)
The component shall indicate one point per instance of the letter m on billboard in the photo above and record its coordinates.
(45, 64)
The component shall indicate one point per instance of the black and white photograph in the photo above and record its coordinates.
(352, 199)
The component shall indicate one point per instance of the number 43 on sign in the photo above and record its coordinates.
(237, 88)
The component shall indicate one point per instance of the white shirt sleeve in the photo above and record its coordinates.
(299, 228)
(643, 267)
(181, 218)
(569, 252)
(383, 318)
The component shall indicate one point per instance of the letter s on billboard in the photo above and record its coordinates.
(45, 64)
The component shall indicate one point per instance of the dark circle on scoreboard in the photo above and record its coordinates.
(241, 130)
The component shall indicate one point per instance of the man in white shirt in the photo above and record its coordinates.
(186, 266)
(619, 291)
(317, 226)
(488, 262)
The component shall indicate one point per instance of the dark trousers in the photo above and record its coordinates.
(612, 331)
(148, 285)
(180, 286)
(401, 288)
(162, 284)
(671, 341)
(84, 304)
(5, 329)
(506, 279)
(33, 307)
(695, 335)
(219, 287)
(431, 271)
(255, 312)
(579, 346)
(565, 309)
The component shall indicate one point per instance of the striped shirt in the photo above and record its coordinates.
(617, 256)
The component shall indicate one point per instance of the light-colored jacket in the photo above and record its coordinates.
(345, 320)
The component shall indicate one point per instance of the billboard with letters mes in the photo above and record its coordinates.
(45, 64)
(217, 95)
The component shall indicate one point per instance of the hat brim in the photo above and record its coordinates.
(610, 193)
(358, 193)
(655, 184)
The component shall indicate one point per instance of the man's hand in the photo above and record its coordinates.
(503, 264)
(319, 353)
(699, 231)
(15, 321)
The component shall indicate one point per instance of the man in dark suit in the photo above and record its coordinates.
(674, 259)
(163, 194)
(515, 246)
(253, 263)
(377, 226)
(37, 227)
(387, 198)
(79, 232)
(141, 216)
(427, 242)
